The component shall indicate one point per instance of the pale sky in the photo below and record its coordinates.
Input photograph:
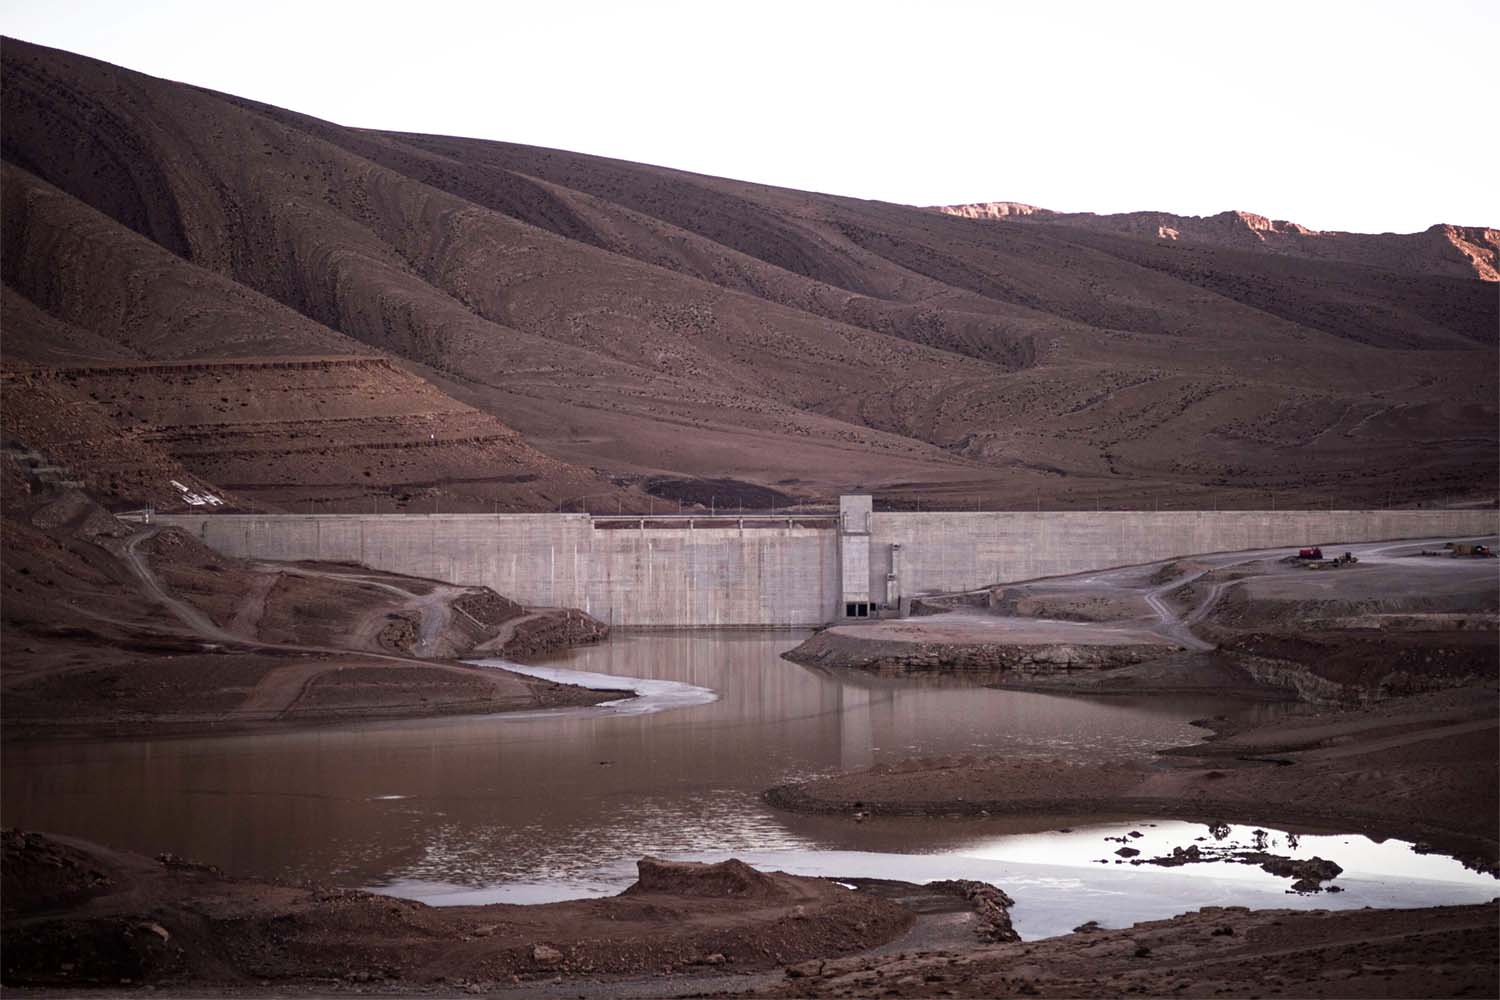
(1369, 116)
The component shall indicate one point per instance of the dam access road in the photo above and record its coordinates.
(1138, 624)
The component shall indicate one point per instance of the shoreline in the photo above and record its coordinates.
(133, 921)
(186, 729)
(1279, 773)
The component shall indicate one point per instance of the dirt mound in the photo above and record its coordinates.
(731, 879)
(74, 514)
(991, 905)
(542, 631)
(39, 874)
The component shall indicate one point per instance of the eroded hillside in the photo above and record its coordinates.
(642, 321)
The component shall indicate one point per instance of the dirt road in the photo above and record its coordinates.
(1164, 604)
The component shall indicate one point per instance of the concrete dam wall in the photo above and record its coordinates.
(783, 571)
(713, 573)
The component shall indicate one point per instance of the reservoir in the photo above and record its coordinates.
(561, 804)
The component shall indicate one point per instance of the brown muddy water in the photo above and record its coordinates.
(561, 804)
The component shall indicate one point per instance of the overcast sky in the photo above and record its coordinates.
(1368, 116)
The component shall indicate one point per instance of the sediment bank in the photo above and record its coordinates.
(1422, 769)
(976, 644)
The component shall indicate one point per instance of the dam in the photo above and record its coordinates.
(793, 570)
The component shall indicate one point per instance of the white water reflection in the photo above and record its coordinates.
(1058, 884)
(1360, 857)
(649, 695)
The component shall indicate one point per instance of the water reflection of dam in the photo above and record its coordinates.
(795, 571)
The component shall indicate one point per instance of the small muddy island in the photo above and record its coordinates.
(974, 644)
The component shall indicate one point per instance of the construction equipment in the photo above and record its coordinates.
(1313, 553)
(1338, 562)
(1465, 550)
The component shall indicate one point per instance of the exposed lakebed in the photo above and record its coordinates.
(561, 804)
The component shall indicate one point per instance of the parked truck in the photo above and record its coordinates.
(1337, 562)
(1312, 558)
(1466, 550)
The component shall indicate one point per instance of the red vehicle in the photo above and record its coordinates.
(1312, 553)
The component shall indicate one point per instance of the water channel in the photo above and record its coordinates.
(561, 804)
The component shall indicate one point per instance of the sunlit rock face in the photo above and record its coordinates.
(1449, 250)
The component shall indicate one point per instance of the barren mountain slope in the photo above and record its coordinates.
(650, 321)
(328, 427)
(302, 433)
